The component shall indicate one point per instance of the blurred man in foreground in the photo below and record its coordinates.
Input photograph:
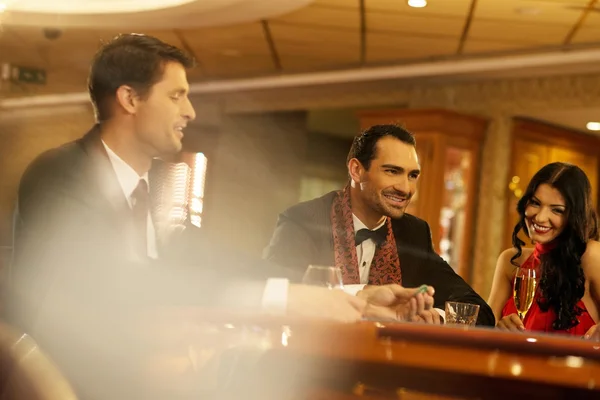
(88, 258)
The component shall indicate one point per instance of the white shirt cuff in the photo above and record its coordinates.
(442, 313)
(353, 289)
(274, 300)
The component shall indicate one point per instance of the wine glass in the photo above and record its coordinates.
(524, 290)
(329, 277)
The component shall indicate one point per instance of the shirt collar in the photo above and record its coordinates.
(358, 224)
(127, 177)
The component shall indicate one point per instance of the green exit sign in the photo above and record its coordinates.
(28, 75)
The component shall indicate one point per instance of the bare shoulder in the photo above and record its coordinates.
(593, 247)
(504, 260)
(591, 258)
(508, 254)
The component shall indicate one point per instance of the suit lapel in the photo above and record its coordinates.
(103, 172)
(324, 231)
(109, 191)
(410, 251)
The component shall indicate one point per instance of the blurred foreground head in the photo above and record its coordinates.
(138, 85)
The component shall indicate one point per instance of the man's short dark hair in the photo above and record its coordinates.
(364, 145)
(129, 59)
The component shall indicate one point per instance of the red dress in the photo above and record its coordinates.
(541, 321)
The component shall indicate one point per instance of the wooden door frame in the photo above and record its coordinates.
(466, 269)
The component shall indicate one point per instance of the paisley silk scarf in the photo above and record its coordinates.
(385, 267)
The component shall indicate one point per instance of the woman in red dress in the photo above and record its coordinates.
(556, 214)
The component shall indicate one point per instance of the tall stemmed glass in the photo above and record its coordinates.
(524, 289)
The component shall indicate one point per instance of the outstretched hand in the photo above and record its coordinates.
(394, 302)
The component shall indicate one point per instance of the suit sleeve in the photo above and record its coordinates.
(77, 295)
(449, 286)
(62, 255)
(291, 246)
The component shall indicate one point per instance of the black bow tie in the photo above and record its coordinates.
(378, 235)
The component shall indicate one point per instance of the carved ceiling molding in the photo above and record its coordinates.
(514, 96)
(17, 115)
(510, 97)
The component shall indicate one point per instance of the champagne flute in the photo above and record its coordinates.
(329, 277)
(524, 289)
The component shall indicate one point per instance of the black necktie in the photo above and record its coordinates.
(378, 235)
(140, 201)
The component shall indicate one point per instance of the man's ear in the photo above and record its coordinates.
(128, 99)
(355, 170)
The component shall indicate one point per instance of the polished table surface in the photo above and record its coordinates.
(279, 358)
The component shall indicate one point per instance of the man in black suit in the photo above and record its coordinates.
(364, 230)
(88, 262)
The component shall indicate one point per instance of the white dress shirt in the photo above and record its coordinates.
(365, 251)
(364, 255)
(128, 180)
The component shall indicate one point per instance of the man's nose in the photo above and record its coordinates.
(188, 111)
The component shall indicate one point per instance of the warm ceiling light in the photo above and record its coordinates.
(2, 6)
(89, 6)
(417, 3)
(593, 126)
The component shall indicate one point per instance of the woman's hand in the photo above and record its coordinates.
(511, 323)
(593, 333)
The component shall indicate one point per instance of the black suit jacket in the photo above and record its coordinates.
(304, 236)
(74, 287)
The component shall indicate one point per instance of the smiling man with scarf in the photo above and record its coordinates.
(363, 229)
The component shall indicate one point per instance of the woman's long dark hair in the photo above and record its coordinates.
(562, 283)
